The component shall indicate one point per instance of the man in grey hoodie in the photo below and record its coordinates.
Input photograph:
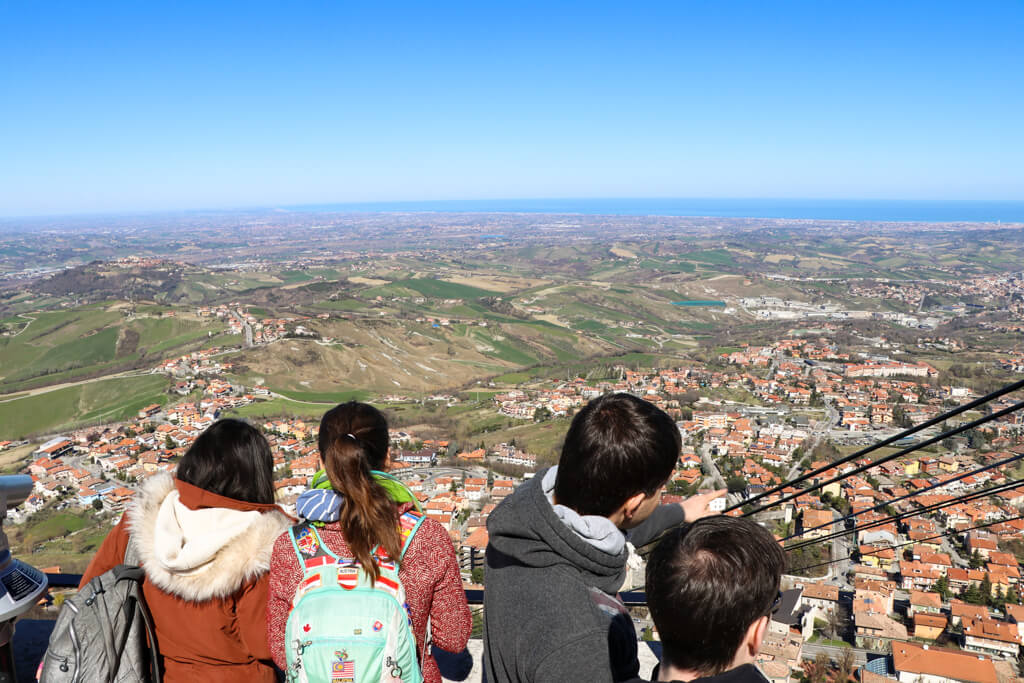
(557, 552)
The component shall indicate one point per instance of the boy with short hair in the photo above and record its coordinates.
(557, 552)
(712, 587)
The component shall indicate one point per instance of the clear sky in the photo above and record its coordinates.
(108, 106)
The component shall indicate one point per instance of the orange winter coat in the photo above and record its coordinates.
(206, 559)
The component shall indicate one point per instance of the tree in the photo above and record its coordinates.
(541, 414)
(736, 484)
(97, 504)
(477, 576)
(977, 561)
(817, 671)
(837, 622)
(985, 590)
(169, 442)
(845, 665)
(942, 587)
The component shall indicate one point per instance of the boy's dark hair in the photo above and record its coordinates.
(617, 446)
(707, 582)
(232, 459)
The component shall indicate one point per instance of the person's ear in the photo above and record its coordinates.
(632, 504)
(755, 636)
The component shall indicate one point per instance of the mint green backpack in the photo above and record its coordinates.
(343, 630)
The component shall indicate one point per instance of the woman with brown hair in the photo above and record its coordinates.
(359, 513)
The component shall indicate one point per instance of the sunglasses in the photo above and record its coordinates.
(776, 603)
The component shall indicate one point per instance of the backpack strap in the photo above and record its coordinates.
(408, 524)
(131, 553)
(131, 570)
(309, 549)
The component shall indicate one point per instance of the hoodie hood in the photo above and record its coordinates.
(198, 551)
(321, 503)
(527, 529)
(596, 530)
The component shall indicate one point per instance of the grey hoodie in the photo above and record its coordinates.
(550, 608)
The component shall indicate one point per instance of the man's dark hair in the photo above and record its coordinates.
(617, 446)
(707, 582)
(232, 459)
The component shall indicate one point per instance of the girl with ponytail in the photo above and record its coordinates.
(356, 506)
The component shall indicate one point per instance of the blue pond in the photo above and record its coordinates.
(696, 303)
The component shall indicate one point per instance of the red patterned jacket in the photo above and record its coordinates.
(429, 573)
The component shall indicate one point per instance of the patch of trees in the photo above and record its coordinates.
(90, 282)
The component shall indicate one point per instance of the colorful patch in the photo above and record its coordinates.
(348, 577)
(306, 541)
(309, 583)
(343, 669)
(406, 525)
(313, 562)
(377, 626)
(388, 585)
(408, 521)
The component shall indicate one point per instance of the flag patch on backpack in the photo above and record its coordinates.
(343, 669)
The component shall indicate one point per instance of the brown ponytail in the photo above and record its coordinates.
(353, 441)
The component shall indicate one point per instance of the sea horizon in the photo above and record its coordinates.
(880, 210)
(867, 210)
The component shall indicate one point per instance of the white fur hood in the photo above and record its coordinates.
(199, 554)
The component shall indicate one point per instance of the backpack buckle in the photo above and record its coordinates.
(97, 590)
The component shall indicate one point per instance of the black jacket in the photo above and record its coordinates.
(748, 673)
(550, 607)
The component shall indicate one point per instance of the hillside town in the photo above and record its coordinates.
(927, 569)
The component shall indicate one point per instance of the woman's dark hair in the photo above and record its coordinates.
(617, 446)
(232, 459)
(353, 441)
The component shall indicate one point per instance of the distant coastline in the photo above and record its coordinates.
(965, 211)
(878, 210)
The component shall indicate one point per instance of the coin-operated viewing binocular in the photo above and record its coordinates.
(21, 585)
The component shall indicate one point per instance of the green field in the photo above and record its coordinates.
(502, 349)
(64, 345)
(718, 257)
(64, 539)
(59, 341)
(513, 378)
(439, 289)
(340, 305)
(327, 397)
(280, 407)
(102, 401)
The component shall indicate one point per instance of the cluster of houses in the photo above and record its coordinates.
(975, 647)
(201, 363)
(664, 388)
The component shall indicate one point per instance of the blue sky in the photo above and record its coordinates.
(138, 106)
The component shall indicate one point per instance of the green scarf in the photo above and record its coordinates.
(398, 491)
